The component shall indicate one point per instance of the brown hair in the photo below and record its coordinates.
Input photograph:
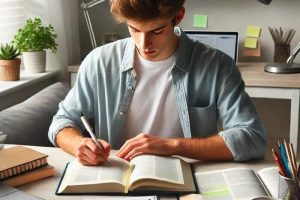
(144, 10)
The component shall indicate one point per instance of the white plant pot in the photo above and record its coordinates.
(34, 62)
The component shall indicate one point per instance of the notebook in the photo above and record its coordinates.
(19, 159)
(222, 40)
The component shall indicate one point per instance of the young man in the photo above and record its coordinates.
(158, 92)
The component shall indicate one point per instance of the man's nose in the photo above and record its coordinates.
(145, 41)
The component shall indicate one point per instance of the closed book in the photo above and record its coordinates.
(19, 159)
(31, 176)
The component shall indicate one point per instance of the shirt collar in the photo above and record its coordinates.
(184, 53)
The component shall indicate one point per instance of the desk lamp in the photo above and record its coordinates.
(267, 2)
(289, 66)
(85, 7)
(285, 68)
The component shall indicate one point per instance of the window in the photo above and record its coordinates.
(11, 19)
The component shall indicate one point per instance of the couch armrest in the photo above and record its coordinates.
(28, 122)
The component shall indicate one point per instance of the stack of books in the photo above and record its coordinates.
(20, 165)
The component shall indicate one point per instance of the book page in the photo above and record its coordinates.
(230, 184)
(78, 174)
(102, 197)
(270, 178)
(157, 167)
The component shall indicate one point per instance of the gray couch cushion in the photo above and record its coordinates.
(28, 122)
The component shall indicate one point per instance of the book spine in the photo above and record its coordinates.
(20, 169)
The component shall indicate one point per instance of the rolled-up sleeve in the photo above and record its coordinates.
(243, 131)
(79, 99)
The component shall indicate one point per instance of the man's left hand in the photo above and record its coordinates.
(146, 144)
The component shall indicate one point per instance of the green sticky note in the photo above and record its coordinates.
(200, 21)
(250, 43)
(253, 31)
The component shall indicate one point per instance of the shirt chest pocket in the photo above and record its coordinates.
(203, 120)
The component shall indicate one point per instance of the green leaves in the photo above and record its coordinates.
(8, 52)
(35, 37)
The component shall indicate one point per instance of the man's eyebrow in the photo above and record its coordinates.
(150, 30)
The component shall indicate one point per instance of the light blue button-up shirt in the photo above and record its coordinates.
(208, 87)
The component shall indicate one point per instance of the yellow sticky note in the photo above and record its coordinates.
(252, 52)
(250, 43)
(200, 21)
(253, 31)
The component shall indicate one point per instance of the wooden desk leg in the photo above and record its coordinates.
(294, 127)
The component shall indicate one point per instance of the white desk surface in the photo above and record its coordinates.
(45, 188)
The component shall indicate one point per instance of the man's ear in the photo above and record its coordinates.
(179, 15)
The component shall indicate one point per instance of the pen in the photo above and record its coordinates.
(279, 163)
(284, 160)
(289, 158)
(90, 130)
(298, 174)
(293, 157)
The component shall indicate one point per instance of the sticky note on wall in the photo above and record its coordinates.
(253, 31)
(250, 42)
(200, 21)
(253, 52)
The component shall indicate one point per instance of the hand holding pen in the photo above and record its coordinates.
(90, 131)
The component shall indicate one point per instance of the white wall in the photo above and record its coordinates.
(231, 15)
(63, 16)
(237, 14)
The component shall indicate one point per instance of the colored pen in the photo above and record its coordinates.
(90, 130)
(298, 174)
(289, 158)
(284, 160)
(279, 163)
(293, 157)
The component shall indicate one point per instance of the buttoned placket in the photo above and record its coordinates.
(181, 100)
(124, 106)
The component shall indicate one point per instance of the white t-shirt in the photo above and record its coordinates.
(153, 109)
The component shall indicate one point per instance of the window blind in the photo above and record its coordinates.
(11, 19)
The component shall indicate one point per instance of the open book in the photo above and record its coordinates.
(236, 184)
(144, 174)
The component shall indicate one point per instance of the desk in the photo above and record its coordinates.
(45, 188)
(261, 84)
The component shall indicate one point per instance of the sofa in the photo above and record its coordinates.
(27, 123)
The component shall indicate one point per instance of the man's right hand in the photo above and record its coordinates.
(88, 153)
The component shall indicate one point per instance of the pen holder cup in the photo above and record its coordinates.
(2, 140)
(288, 189)
(281, 53)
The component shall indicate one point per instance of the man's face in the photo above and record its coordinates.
(155, 40)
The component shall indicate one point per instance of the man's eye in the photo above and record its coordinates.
(158, 32)
(134, 30)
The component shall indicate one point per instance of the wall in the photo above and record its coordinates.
(231, 15)
(63, 15)
(228, 15)
(235, 15)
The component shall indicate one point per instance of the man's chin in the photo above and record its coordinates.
(151, 57)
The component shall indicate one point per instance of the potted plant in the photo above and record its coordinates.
(32, 40)
(9, 63)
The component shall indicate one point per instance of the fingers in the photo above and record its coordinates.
(91, 154)
(106, 148)
(141, 144)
